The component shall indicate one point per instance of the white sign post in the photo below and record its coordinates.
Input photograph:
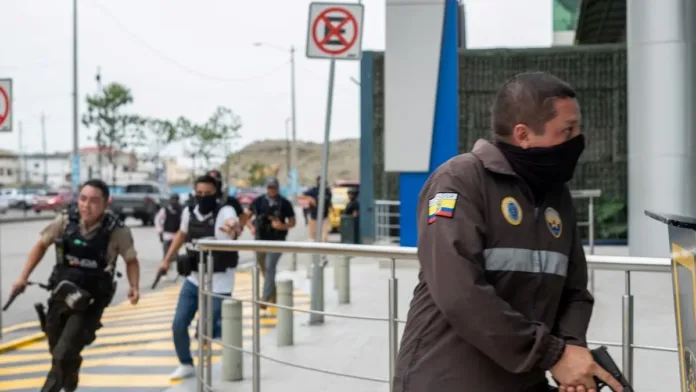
(334, 33)
(5, 105)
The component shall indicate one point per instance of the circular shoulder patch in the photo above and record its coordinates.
(553, 222)
(511, 211)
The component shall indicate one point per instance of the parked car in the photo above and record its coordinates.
(4, 205)
(18, 198)
(141, 201)
(51, 200)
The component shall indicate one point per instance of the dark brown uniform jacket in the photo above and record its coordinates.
(502, 285)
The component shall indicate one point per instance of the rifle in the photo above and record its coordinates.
(603, 359)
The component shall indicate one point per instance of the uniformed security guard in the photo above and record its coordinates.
(502, 294)
(207, 219)
(88, 240)
(273, 215)
(168, 220)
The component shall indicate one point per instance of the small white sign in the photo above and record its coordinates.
(5, 105)
(335, 31)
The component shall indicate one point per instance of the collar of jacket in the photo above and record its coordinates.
(492, 158)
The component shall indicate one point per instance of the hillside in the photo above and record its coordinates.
(344, 160)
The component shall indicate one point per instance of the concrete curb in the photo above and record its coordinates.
(21, 219)
(21, 342)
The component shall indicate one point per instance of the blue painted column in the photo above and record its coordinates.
(445, 132)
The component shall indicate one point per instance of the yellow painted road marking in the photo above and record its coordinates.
(126, 361)
(131, 338)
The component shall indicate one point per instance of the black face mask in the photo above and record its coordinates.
(543, 168)
(206, 203)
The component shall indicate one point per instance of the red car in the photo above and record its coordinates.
(51, 201)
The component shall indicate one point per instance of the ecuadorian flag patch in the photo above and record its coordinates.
(441, 205)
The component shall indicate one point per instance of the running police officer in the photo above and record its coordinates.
(273, 216)
(88, 240)
(502, 294)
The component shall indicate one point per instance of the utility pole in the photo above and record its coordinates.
(45, 153)
(76, 140)
(100, 163)
(22, 167)
(293, 147)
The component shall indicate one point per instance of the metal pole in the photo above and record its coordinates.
(200, 381)
(317, 299)
(343, 268)
(209, 321)
(627, 330)
(232, 328)
(1, 301)
(45, 152)
(591, 234)
(285, 327)
(293, 145)
(23, 172)
(76, 152)
(393, 323)
(256, 331)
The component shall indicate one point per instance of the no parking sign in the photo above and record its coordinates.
(5, 105)
(335, 31)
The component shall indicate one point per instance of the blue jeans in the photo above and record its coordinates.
(268, 262)
(186, 309)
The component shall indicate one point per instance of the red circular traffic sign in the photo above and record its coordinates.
(4, 113)
(335, 31)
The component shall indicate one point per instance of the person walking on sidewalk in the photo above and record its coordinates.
(502, 294)
(207, 219)
(273, 215)
(311, 197)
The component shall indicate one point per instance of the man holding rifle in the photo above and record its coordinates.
(502, 295)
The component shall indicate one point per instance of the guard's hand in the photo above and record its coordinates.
(231, 228)
(133, 295)
(18, 286)
(576, 369)
(277, 224)
(163, 267)
(252, 231)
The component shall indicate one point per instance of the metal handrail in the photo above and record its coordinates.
(610, 263)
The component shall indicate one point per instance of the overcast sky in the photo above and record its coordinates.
(184, 58)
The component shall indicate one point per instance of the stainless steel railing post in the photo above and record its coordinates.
(209, 321)
(200, 380)
(627, 329)
(256, 331)
(393, 323)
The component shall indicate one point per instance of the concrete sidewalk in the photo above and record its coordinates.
(360, 347)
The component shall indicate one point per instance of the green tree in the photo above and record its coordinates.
(257, 174)
(226, 124)
(115, 130)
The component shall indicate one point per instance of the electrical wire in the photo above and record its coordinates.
(176, 63)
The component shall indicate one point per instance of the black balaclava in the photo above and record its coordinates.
(544, 168)
(206, 203)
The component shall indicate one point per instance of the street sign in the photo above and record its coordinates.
(335, 31)
(5, 105)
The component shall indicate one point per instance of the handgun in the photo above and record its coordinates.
(603, 358)
(160, 274)
(11, 299)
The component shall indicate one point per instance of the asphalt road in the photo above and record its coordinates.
(16, 239)
(16, 214)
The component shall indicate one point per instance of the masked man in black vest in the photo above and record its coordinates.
(88, 240)
(167, 222)
(206, 220)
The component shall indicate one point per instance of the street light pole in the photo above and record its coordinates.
(293, 146)
(76, 152)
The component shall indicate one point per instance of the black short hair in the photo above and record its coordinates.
(97, 183)
(206, 179)
(527, 98)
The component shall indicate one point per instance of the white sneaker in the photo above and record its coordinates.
(183, 371)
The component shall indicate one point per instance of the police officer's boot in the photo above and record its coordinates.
(71, 370)
(54, 379)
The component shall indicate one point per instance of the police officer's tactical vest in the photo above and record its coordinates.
(172, 219)
(198, 229)
(84, 261)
